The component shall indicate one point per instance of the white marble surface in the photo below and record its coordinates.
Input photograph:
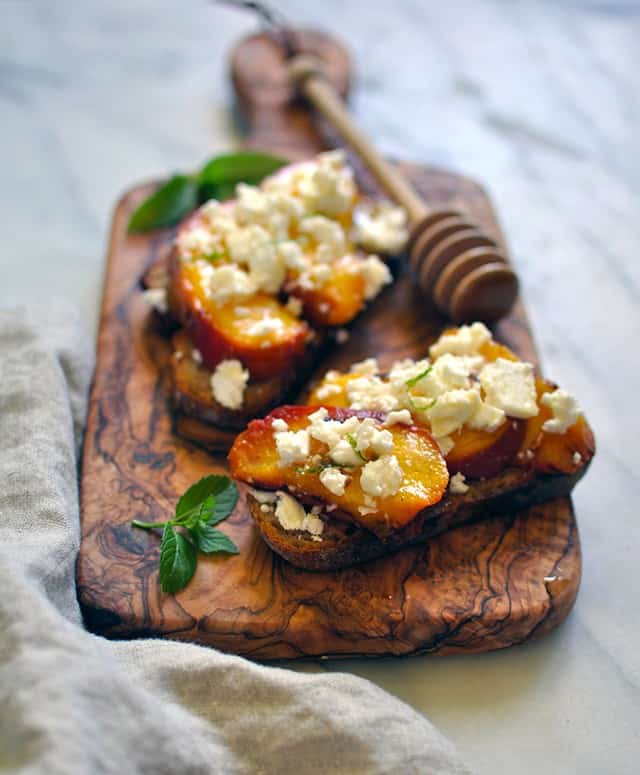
(540, 101)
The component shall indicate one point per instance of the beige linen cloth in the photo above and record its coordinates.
(72, 702)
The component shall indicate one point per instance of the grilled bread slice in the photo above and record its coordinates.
(345, 544)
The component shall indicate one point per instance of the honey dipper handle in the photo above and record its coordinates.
(306, 74)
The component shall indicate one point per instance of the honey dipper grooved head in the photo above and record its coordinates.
(460, 268)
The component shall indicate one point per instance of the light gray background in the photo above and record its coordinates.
(541, 102)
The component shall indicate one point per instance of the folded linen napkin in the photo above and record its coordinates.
(72, 702)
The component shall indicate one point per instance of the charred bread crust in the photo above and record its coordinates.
(345, 544)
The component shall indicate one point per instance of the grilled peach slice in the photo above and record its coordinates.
(254, 459)
(480, 455)
(555, 452)
(339, 300)
(235, 329)
(565, 452)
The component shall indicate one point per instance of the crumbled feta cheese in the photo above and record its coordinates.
(156, 298)
(327, 185)
(228, 383)
(266, 325)
(376, 275)
(486, 418)
(457, 484)
(344, 454)
(196, 356)
(328, 390)
(253, 246)
(279, 424)
(294, 306)
(446, 444)
(263, 496)
(328, 234)
(577, 458)
(291, 515)
(334, 480)
(381, 227)
(315, 277)
(292, 446)
(219, 217)
(198, 241)
(369, 437)
(227, 282)
(408, 369)
(510, 386)
(452, 410)
(290, 512)
(399, 417)
(467, 340)
(371, 393)
(383, 477)
(292, 256)
(368, 367)
(348, 441)
(565, 408)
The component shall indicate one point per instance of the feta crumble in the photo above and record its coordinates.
(156, 299)
(334, 480)
(376, 275)
(291, 515)
(510, 386)
(292, 446)
(565, 408)
(382, 478)
(457, 484)
(467, 340)
(381, 227)
(228, 383)
(399, 417)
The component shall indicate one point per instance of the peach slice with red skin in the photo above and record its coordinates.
(254, 459)
(561, 453)
(219, 333)
(481, 454)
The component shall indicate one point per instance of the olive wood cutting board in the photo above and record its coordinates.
(484, 586)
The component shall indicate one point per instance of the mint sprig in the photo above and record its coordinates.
(217, 179)
(201, 507)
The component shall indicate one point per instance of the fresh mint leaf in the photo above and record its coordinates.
(177, 560)
(210, 540)
(216, 180)
(203, 505)
(245, 166)
(414, 380)
(167, 206)
(226, 501)
(219, 191)
(199, 493)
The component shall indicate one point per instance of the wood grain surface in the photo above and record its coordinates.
(484, 586)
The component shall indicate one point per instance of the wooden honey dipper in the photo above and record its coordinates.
(456, 264)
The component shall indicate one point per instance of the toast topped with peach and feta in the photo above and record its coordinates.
(377, 462)
(257, 282)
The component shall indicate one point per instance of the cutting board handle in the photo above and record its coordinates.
(274, 119)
